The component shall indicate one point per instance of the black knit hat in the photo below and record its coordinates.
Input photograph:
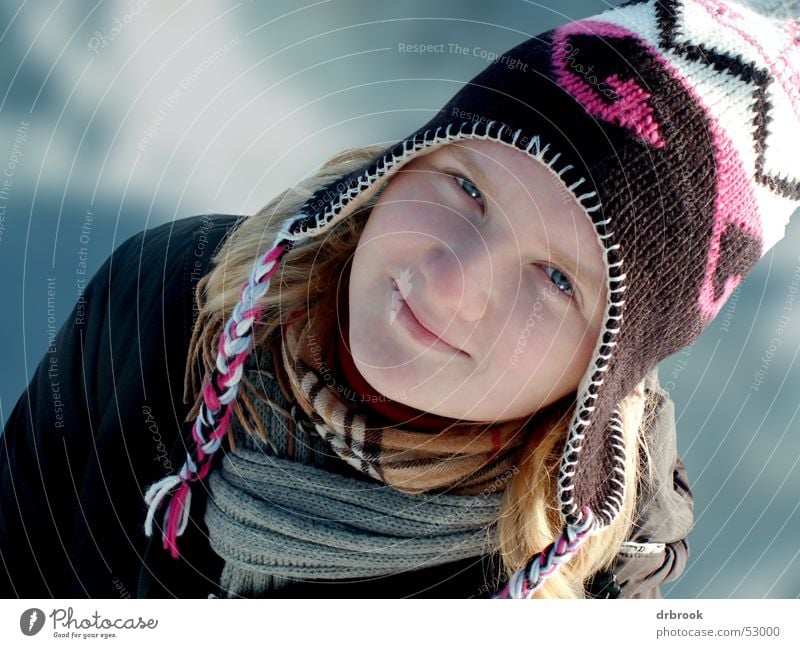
(675, 125)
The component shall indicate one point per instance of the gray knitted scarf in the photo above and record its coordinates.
(311, 517)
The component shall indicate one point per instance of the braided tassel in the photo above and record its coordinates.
(219, 395)
(524, 582)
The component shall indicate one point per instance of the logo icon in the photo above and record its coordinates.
(31, 621)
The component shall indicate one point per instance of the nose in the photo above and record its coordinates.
(459, 276)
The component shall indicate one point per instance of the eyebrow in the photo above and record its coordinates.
(589, 278)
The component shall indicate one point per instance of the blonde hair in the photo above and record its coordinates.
(530, 517)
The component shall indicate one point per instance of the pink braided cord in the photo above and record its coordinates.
(219, 397)
(524, 582)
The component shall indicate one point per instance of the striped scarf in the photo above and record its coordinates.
(465, 457)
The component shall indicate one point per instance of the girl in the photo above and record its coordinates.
(429, 370)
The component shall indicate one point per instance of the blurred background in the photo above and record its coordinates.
(120, 116)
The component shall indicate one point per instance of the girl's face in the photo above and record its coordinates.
(477, 289)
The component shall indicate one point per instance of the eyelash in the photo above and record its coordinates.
(458, 179)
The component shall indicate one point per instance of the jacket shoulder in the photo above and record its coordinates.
(665, 508)
(143, 302)
(657, 549)
(171, 246)
(87, 433)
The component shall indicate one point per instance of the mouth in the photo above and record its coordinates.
(418, 330)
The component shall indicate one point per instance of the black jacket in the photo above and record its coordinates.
(102, 419)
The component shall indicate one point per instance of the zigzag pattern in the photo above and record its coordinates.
(726, 51)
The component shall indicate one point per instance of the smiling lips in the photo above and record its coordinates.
(419, 331)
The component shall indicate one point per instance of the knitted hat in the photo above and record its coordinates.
(674, 124)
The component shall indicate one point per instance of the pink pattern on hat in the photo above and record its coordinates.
(735, 206)
(735, 203)
(631, 106)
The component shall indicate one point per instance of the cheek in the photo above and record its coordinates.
(542, 332)
(377, 240)
(410, 227)
(525, 334)
(575, 350)
(532, 312)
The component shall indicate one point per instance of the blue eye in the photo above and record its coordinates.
(559, 277)
(470, 189)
